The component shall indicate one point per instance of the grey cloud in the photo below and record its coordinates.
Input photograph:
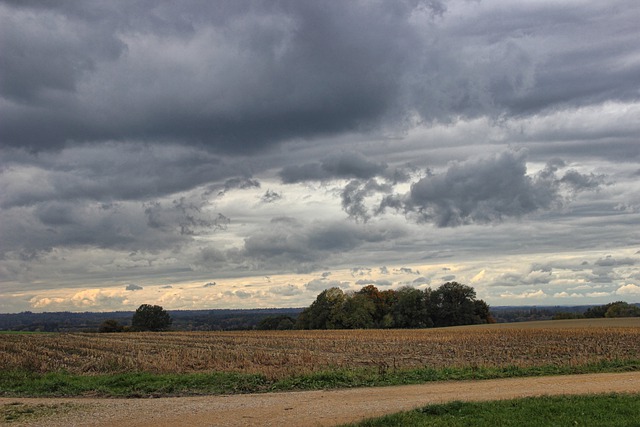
(112, 171)
(286, 290)
(254, 64)
(365, 282)
(609, 261)
(407, 270)
(240, 183)
(353, 197)
(119, 226)
(133, 287)
(343, 165)
(209, 285)
(166, 287)
(579, 182)
(422, 281)
(516, 279)
(360, 271)
(448, 278)
(317, 285)
(185, 216)
(241, 76)
(486, 190)
(384, 270)
(326, 274)
(270, 197)
(242, 294)
(287, 240)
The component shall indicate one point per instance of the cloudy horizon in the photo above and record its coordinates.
(249, 154)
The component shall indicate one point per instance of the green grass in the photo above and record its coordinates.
(620, 410)
(141, 384)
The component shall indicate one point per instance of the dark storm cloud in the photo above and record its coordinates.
(234, 76)
(133, 287)
(240, 76)
(487, 190)
(113, 171)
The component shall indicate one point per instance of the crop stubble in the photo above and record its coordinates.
(278, 354)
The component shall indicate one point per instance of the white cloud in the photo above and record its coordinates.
(533, 294)
(629, 289)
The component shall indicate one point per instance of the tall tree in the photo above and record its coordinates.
(324, 312)
(455, 304)
(410, 309)
(358, 312)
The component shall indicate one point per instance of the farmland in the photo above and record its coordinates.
(281, 354)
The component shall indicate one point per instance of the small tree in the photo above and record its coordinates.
(110, 325)
(151, 318)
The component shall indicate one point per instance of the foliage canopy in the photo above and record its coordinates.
(150, 318)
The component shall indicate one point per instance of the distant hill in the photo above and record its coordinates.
(509, 314)
(188, 320)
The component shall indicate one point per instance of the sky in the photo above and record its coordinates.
(249, 154)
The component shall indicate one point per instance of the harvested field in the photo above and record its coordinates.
(278, 354)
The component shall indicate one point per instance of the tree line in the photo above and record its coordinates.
(611, 310)
(451, 304)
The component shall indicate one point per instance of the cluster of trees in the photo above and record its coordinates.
(146, 318)
(613, 309)
(450, 305)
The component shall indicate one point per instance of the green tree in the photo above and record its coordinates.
(151, 318)
(324, 312)
(411, 309)
(597, 311)
(358, 312)
(455, 304)
(382, 301)
(280, 322)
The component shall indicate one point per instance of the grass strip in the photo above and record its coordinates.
(17, 412)
(142, 384)
(619, 410)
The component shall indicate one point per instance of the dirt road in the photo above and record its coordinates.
(316, 408)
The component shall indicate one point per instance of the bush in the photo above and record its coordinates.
(110, 325)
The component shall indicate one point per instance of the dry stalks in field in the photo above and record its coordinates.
(278, 354)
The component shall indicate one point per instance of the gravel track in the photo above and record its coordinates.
(314, 408)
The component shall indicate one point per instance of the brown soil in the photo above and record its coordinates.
(314, 408)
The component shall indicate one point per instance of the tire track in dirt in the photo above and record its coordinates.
(316, 408)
